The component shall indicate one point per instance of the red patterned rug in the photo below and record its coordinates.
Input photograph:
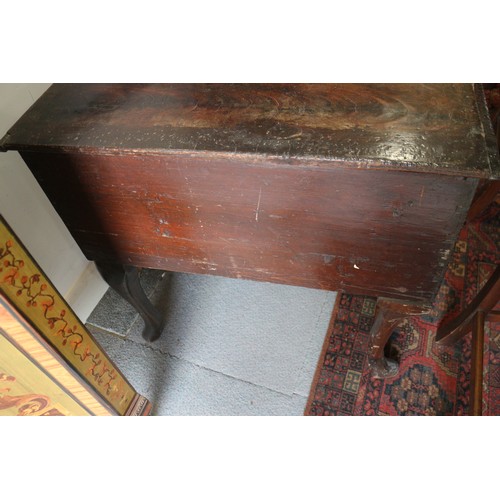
(432, 380)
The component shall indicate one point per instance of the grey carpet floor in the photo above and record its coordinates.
(229, 347)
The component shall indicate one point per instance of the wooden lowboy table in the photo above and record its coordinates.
(361, 188)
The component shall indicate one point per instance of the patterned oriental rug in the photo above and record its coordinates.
(432, 380)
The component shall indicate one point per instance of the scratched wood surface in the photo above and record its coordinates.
(357, 187)
(386, 233)
(440, 128)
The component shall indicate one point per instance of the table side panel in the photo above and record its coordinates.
(382, 232)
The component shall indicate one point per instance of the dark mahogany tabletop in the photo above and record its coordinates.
(435, 128)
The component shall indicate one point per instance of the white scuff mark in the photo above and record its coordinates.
(421, 196)
(355, 266)
(258, 206)
(445, 254)
(234, 265)
(293, 136)
(204, 262)
(264, 271)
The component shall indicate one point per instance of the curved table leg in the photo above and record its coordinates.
(125, 281)
(390, 313)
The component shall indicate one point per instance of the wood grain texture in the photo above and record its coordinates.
(439, 128)
(356, 187)
(382, 232)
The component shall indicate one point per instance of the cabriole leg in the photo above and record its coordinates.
(125, 281)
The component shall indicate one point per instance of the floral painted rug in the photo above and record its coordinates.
(432, 380)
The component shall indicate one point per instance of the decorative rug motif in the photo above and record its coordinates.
(432, 380)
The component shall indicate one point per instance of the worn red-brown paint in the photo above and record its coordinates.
(383, 232)
(355, 187)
